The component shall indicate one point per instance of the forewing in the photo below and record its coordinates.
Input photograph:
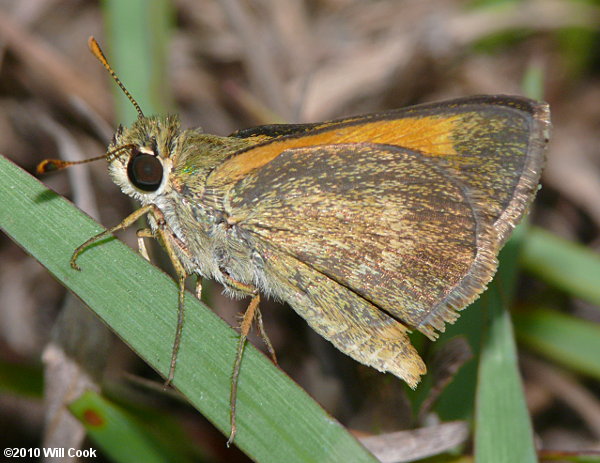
(495, 144)
(406, 208)
(385, 222)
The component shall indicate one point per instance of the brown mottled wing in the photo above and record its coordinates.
(495, 144)
(383, 221)
(353, 324)
(373, 234)
(388, 221)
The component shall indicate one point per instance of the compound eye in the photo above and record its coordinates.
(145, 171)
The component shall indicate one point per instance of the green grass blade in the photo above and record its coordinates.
(277, 421)
(116, 433)
(503, 430)
(577, 456)
(21, 379)
(138, 34)
(561, 263)
(565, 339)
(533, 82)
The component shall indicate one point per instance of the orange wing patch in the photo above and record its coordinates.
(431, 135)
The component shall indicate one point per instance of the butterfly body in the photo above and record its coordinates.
(368, 227)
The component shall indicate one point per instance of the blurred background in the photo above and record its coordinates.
(225, 65)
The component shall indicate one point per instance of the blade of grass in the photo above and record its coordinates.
(583, 456)
(566, 265)
(568, 340)
(503, 430)
(20, 379)
(138, 33)
(277, 421)
(116, 433)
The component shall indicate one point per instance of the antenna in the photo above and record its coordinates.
(50, 165)
(97, 51)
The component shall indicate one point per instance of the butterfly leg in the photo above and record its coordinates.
(141, 234)
(129, 220)
(171, 242)
(251, 313)
(263, 335)
(181, 276)
(199, 287)
(244, 330)
(168, 241)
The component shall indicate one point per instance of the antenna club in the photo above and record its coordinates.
(94, 47)
(50, 165)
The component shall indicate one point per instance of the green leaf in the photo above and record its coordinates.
(21, 379)
(566, 265)
(138, 34)
(568, 340)
(277, 421)
(116, 433)
(503, 430)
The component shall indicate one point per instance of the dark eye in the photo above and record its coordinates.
(145, 171)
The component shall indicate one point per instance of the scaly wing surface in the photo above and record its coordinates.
(377, 224)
